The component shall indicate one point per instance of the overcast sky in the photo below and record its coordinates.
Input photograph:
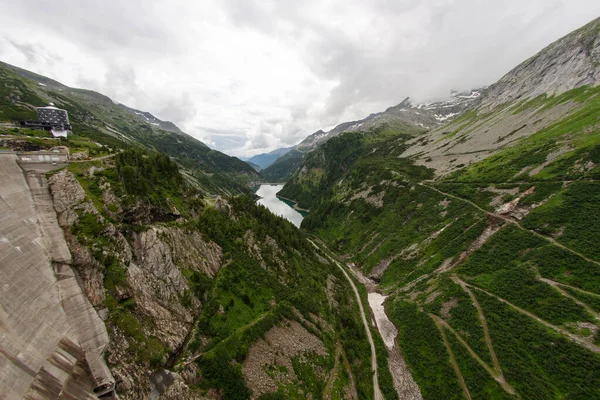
(250, 76)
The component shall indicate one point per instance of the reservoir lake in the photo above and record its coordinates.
(283, 208)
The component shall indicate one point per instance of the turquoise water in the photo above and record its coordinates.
(269, 199)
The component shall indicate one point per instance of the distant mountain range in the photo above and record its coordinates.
(404, 117)
(263, 160)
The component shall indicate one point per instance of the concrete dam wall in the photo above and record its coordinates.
(51, 338)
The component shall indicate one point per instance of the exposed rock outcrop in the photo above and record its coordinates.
(280, 344)
(568, 63)
(157, 280)
(155, 261)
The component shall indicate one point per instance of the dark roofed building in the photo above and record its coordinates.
(53, 116)
(55, 119)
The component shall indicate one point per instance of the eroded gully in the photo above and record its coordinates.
(404, 383)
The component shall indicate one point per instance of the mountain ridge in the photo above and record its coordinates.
(264, 160)
(404, 117)
(97, 118)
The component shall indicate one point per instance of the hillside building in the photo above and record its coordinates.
(50, 119)
(56, 119)
(52, 116)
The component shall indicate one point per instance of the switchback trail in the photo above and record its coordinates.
(572, 337)
(461, 380)
(512, 221)
(377, 395)
(559, 288)
(498, 374)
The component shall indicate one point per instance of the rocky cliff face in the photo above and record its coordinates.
(154, 282)
(568, 63)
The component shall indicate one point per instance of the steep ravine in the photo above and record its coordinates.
(405, 385)
(154, 285)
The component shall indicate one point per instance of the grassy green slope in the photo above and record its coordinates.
(510, 239)
(329, 162)
(285, 169)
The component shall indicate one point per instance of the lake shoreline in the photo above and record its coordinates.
(294, 204)
(266, 195)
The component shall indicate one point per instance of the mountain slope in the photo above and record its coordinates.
(96, 117)
(526, 100)
(404, 117)
(481, 232)
(236, 273)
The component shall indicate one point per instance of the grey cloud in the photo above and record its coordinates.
(178, 109)
(226, 142)
(27, 49)
(102, 25)
(467, 44)
(35, 53)
(354, 58)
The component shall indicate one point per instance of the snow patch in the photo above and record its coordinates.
(442, 117)
(386, 328)
(474, 94)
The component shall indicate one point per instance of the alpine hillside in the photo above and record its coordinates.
(98, 119)
(449, 252)
(481, 233)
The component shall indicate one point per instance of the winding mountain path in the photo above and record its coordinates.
(559, 288)
(377, 395)
(572, 337)
(512, 221)
(440, 323)
(498, 374)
